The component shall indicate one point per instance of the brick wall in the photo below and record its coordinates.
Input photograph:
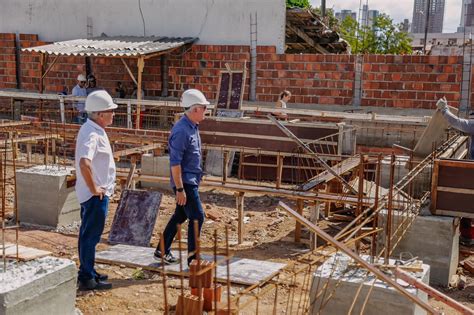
(411, 81)
(7, 61)
(388, 80)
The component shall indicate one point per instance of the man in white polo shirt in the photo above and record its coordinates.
(95, 172)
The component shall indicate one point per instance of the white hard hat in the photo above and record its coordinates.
(81, 77)
(193, 97)
(99, 101)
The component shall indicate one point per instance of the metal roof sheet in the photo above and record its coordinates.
(118, 46)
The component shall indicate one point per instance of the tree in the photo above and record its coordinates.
(298, 3)
(384, 37)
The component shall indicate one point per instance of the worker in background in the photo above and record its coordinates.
(184, 145)
(95, 183)
(466, 126)
(120, 90)
(80, 90)
(92, 84)
(283, 99)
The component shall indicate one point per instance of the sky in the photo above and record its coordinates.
(398, 9)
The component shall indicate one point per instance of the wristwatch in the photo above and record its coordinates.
(180, 189)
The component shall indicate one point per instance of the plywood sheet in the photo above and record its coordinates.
(242, 270)
(452, 191)
(135, 217)
(434, 133)
(24, 253)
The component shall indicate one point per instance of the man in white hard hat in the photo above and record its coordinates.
(80, 90)
(95, 183)
(186, 171)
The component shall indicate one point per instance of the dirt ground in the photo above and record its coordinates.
(268, 236)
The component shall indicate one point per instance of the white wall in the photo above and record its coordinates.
(213, 21)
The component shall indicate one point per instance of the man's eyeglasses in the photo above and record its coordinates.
(83, 82)
(109, 111)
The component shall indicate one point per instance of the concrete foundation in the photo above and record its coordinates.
(156, 166)
(44, 197)
(434, 239)
(382, 300)
(42, 286)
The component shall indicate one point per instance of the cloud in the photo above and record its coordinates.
(402, 10)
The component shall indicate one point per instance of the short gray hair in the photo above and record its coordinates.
(93, 115)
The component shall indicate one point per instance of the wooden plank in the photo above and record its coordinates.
(456, 190)
(24, 253)
(325, 176)
(453, 213)
(435, 132)
(138, 150)
(299, 208)
(434, 184)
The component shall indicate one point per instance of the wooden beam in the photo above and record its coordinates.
(301, 34)
(140, 66)
(129, 72)
(50, 66)
(137, 150)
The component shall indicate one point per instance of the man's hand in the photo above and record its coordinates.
(181, 198)
(99, 191)
(442, 104)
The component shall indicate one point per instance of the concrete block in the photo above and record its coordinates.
(155, 166)
(44, 197)
(42, 286)
(434, 239)
(343, 282)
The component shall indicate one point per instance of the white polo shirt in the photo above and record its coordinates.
(93, 144)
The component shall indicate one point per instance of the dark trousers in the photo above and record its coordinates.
(93, 214)
(191, 211)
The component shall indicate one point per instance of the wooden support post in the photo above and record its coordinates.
(140, 66)
(53, 150)
(129, 115)
(299, 209)
(62, 110)
(28, 152)
(279, 170)
(240, 210)
(388, 230)
(46, 152)
(314, 219)
(225, 165)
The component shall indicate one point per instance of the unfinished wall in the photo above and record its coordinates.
(214, 22)
(387, 80)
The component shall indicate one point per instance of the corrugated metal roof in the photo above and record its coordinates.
(119, 46)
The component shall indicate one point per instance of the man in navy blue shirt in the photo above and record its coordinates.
(184, 145)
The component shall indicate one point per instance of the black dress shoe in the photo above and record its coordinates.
(92, 284)
(101, 277)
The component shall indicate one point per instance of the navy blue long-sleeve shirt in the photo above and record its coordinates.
(184, 145)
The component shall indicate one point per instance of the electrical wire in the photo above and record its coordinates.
(143, 19)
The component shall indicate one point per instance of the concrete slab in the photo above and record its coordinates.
(242, 270)
(42, 286)
(44, 197)
(434, 239)
(343, 281)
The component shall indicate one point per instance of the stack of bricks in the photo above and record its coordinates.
(201, 281)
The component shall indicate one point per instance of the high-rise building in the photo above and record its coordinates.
(467, 16)
(368, 16)
(435, 13)
(341, 16)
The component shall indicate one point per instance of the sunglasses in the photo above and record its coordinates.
(83, 81)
